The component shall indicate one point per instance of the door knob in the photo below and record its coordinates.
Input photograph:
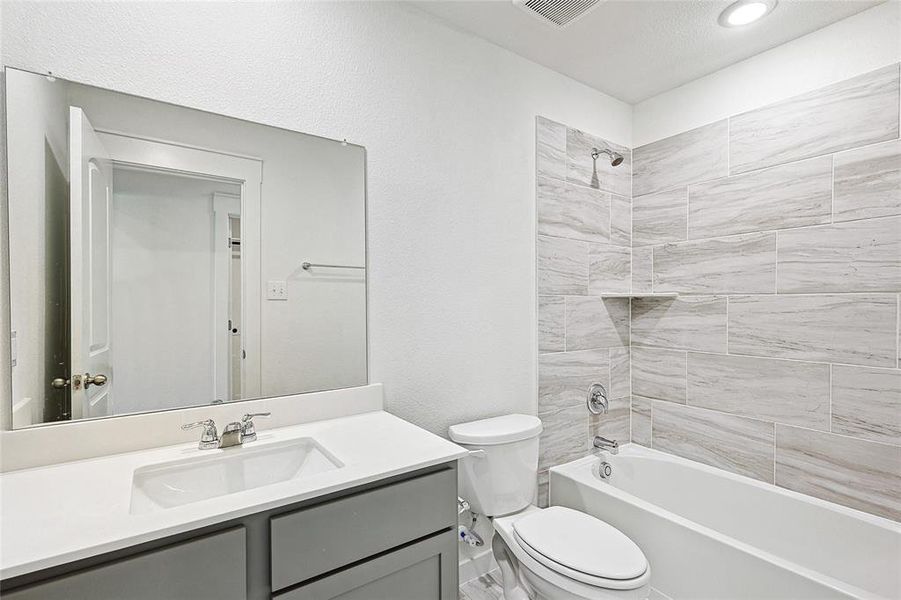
(59, 383)
(90, 380)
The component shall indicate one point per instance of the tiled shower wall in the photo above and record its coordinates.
(780, 229)
(583, 252)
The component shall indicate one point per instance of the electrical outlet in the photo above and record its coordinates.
(277, 290)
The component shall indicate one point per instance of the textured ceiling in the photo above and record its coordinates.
(635, 49)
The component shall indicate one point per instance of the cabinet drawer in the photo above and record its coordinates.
(426, 570)
(211, 567)
(328, 536)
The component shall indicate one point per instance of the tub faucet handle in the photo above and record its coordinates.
(597, 399)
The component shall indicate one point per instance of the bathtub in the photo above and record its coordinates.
(710, 534)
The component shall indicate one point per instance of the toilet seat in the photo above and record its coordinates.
(580, 546)
(575, 584)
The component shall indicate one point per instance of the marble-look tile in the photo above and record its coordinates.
(609, 269)
(854, 329)
(551, 143)
(563, 382)
(856, 473)
(736, 444)
(486, 587)
(593, 322)
(739, 264)
(786, 196)
(868, 182)
(620, 373)
(768, 389)
(572, 211)
(686, 323)
(641, 421)
(615, 424)
(643, 270)
(564, 436)
(550, 324)
(658, 374)
(564, 379)
(866, 403)
(857, 256)
(690, 157)
(543, 489)
(599, 174)
(620, 221)
(855, 112)
(660, 218)
(562, 266)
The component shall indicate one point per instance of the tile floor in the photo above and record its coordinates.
(488, 587)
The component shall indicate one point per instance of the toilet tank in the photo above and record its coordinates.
(501, 474)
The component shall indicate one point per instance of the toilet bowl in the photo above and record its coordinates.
(554, 553)
(566, 558)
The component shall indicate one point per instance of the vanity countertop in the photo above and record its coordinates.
(61, 513)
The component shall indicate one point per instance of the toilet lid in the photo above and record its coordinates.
(582, 543)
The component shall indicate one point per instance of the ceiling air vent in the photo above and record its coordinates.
(558, 13)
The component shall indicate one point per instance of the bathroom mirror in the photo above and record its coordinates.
(163, 257)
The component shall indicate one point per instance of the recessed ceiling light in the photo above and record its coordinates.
(745, 12)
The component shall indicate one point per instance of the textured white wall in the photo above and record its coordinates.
(448, 122)
(859, 44)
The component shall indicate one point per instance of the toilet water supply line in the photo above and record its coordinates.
(466, 534)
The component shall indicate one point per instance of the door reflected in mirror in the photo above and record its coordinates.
(153, 267)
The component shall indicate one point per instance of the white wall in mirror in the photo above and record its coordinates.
(166, 274)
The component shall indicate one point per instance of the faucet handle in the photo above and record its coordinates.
(248, 431)
(597, 399)
(210, 436)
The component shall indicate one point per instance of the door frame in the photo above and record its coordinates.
(246, 172)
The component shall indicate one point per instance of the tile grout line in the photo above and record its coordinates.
(752, 232)
(762, 357)
(690, 407)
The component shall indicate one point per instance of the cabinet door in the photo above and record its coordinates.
(426, 570)
(212, 567)
(317, 540)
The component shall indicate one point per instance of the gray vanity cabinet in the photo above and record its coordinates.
(393, 539)
(426, 570)
(211, 566)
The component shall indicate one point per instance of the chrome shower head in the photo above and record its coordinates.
(616, 159)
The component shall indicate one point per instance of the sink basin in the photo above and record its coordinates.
(220, 472)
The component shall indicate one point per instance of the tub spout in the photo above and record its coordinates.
(603, 443)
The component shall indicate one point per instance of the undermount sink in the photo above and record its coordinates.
(220, 472)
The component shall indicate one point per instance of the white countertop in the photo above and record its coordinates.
(61, 513)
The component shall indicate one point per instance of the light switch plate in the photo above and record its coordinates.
(277, 290)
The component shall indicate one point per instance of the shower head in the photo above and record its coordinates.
(616, 159)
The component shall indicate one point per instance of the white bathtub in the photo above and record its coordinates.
(710, 534)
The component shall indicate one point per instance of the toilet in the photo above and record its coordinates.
(554, 553)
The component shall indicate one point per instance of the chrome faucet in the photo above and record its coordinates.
(597, 399)
(603, 443)
(235, 433)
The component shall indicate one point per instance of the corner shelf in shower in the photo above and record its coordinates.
(641, 295)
